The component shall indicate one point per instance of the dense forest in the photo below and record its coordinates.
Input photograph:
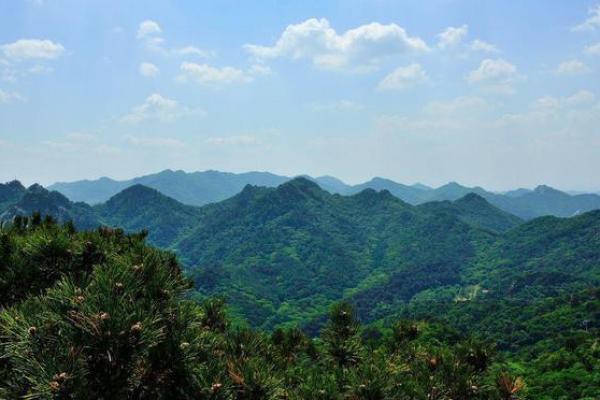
(273, 262)
(101, 315)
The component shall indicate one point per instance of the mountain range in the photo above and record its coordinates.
(283, 254)
(201, 188)
(280, 256)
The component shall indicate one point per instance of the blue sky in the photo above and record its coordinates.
(500, 94)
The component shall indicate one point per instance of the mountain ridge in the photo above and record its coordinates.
(204, 187)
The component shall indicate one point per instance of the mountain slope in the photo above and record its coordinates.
(10, 193)
(38, 199)
(139, 207)
(476, 211)
(410, 194)
(284, 254)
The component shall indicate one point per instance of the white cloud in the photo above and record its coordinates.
(9, 97)
(553, 104)
(458, 105)
(403, 77)
(157, 107)
(496, 75)
(452, 36)
(148, 70)
(148, 28)
(239, 140)
(483, 46)
(360, 48)
(208, 75)
(191, 51)
(155, 142)
(591, 23)
(581, 97)
(572, 67)
(592, 49)
(341, 105)
(32, 48)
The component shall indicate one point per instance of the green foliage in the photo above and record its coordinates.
(112, 322)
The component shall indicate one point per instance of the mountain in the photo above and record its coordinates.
(409, 194)
(200, 188)
(10, 193)
(545, 200)
(138, 207)
(475, 211)
(38, 199)
(331, 184)
(195, 188)
(283, 254)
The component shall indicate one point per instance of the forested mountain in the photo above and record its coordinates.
(10, 193)
(100, 315)
(200, 188)
(282, 256)
(139, 207)
(38, 199)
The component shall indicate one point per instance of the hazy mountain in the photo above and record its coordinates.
(200, 188)
(476, 211)
(194, 188)
(410, 194)
(332, 184)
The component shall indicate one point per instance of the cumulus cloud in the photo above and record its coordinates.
(591, 23)
(483, 46)
(148, 28)
(32, 49)
(360, 48)
(404, 77)
(191, 51)
(205, 74)
(572, 67)
(148, 70)
(149, 32)
(157, 107)
(592, 49)
(9, 97)
(452, 36)
(494, 74)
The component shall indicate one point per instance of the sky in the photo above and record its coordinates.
(496, 93)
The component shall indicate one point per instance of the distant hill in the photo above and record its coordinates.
(476, 211)
(195, 188)
(200, 188)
